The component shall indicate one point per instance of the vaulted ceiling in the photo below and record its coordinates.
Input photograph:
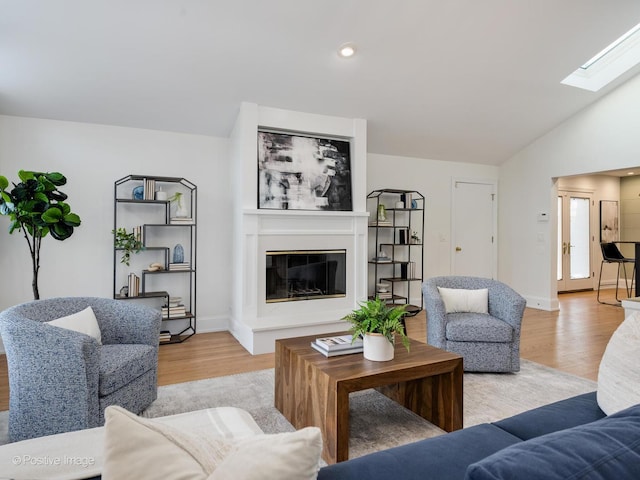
(457, 80)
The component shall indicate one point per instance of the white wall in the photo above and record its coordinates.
(602, 137)
(93, 157)
(432, 178)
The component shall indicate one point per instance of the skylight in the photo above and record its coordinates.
(608, 64)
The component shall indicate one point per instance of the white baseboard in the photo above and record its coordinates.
(540, 303)
(217, 323)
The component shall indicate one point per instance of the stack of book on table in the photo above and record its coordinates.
(339, 345)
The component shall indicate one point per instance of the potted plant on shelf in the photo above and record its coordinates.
(128, 242)
(378, 323)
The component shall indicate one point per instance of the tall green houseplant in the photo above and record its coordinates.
(36, 207)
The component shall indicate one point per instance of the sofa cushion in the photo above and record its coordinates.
(443, 457)
(619, 374)
(608, 448)
(122, 363)
(477, 327)
(574, 411)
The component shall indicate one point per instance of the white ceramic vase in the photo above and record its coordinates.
(377, 348)
(181, 208)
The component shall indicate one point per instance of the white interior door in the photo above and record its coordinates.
(474, 229)
(574, 241)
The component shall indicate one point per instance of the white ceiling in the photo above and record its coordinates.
(457, 80)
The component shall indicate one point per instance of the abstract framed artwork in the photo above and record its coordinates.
(609, 221)
(297, 172)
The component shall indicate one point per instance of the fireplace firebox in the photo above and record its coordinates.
(294, 275)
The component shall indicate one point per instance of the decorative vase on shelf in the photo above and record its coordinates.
(178, 254)
(181, 208)
(160, 194)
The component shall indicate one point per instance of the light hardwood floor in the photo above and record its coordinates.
(572, 339)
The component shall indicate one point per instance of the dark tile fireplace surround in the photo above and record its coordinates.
(294, 275)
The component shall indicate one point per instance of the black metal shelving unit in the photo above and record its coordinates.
(181, 326)
(394, 237)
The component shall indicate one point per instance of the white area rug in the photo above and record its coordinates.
(487, 397)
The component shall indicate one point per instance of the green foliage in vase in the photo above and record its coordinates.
(36, 207)
(128, 242)
(375, 316)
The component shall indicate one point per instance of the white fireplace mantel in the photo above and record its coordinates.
(254, 322)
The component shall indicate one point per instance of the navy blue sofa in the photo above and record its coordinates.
(570, 439)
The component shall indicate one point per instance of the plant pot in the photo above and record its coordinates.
(377, 348)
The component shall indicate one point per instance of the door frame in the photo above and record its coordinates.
(479, 181)
(594, 223)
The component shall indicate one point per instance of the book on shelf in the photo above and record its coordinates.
(138, 232)
(403, 236)
(181, 220)
(408, 270)
(384, 295)
(133, 282)
(334, 353)
(339, 342)
(180, 266)
(406, 198)
(177, 311)
(149, 189)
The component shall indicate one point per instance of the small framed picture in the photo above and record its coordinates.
(609, 221)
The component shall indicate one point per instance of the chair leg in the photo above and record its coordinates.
(599, 281)
(618, 279)
(626, 280)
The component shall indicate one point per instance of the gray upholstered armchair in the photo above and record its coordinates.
(488, 342)
(61, 380)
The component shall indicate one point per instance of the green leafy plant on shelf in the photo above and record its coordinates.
(128, 242)
(375, 316)
(37, 208)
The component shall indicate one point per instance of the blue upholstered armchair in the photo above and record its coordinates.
(488, 342)
(62, 380)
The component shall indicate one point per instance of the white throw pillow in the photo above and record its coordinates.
(619, 373)
(139, 448)
(285, 456)
(84, 322)
(462, 300)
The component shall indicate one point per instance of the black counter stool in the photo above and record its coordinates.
(611, 254)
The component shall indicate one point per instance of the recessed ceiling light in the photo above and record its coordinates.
(347, 50)
(630, 173)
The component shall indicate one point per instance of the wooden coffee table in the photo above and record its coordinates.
(313, 390)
